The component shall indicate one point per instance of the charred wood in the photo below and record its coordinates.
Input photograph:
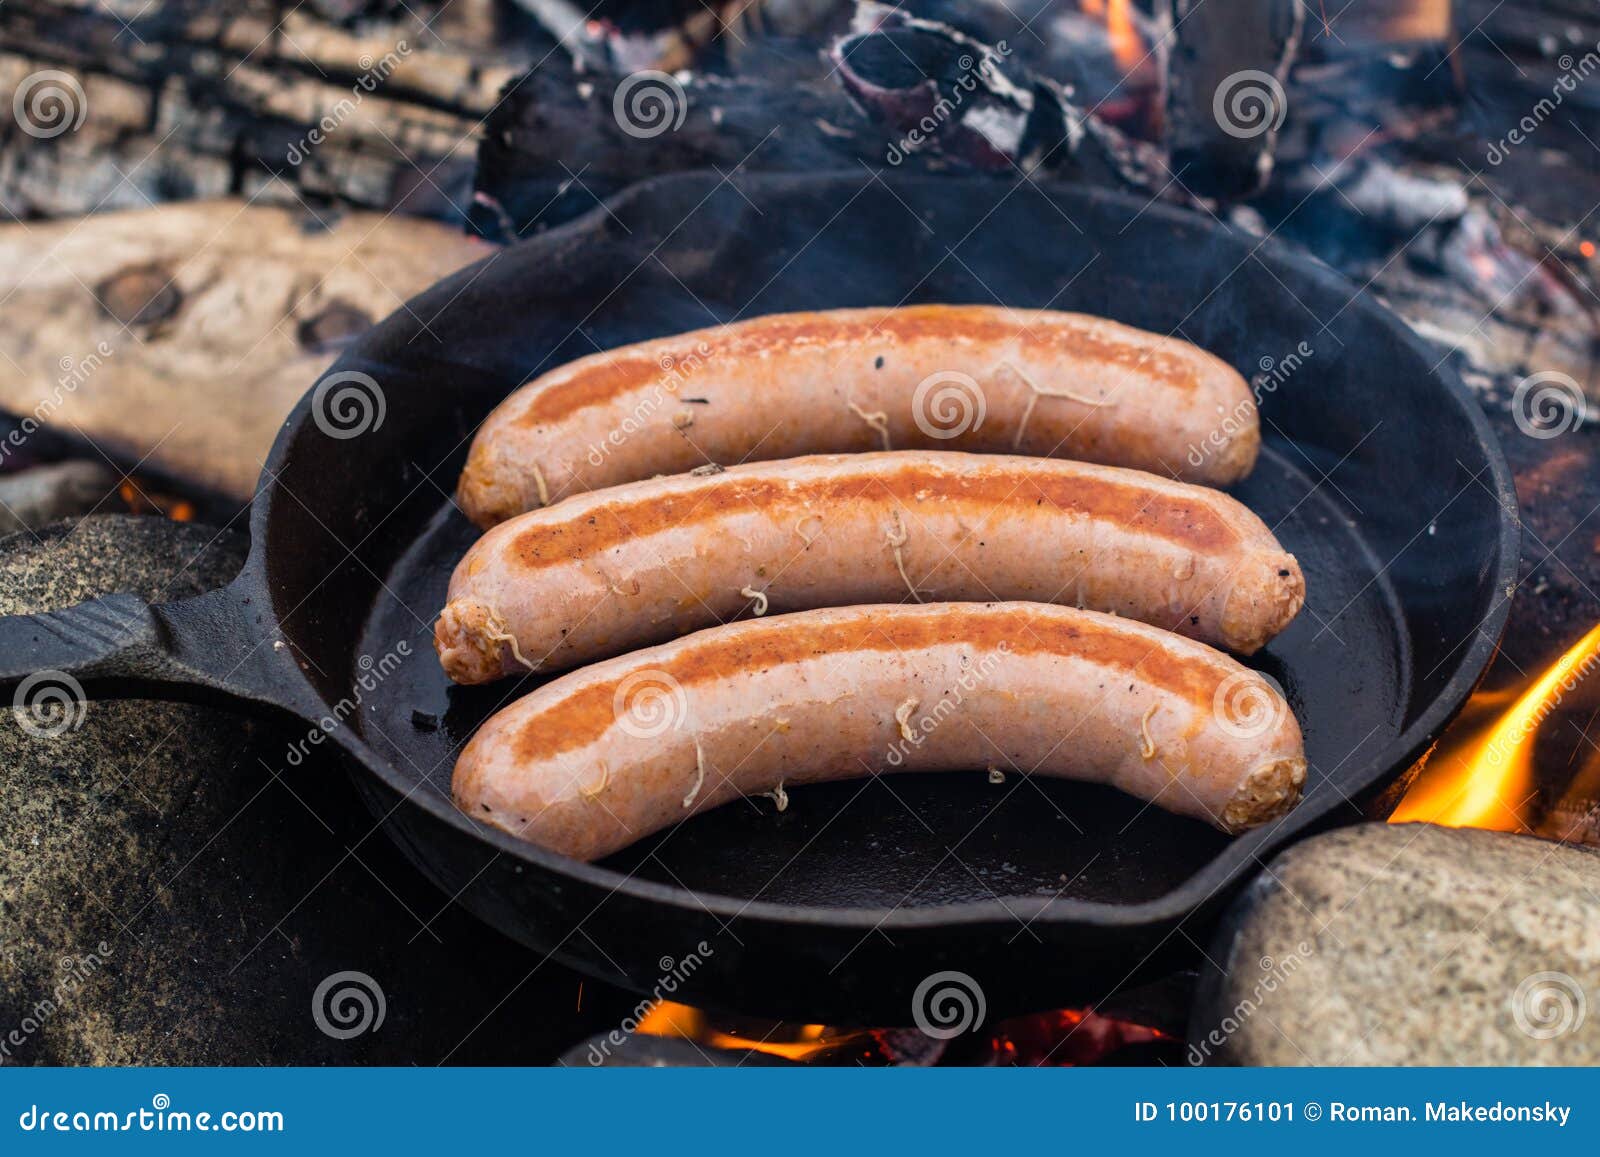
(903, 93)
(1225, 91)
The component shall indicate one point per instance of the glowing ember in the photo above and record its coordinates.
(1060, 1037)
(138, 500)
(1486, 779)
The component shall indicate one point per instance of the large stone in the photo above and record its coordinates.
(1409, 945)
(172, 892)
(158, 560)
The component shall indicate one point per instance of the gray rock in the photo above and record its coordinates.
(154, 558)
(1409, 945)
(172, 892)
(44, 494)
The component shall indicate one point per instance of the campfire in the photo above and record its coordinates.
(1420, 148)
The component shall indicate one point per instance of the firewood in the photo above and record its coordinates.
(179, 337)
(1225, 91)
(206, 100)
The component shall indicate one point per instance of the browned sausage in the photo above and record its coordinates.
(941, 377)
(635, 565)
(608, 754)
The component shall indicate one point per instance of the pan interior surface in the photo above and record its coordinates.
(1402, 539)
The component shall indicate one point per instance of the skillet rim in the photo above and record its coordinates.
(1193, 893)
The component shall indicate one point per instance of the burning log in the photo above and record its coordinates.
(564, 138)
(907, 93)
(1225, 91)
(942, 91)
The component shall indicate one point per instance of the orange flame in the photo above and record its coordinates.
(799, 1043)
(1127, 46)
(1486, 780)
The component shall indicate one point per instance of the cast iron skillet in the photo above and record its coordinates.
(1379, 472)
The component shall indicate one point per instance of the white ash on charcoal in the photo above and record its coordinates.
(1111, 62)
(1489, 282)
(901, 93)
(945, 92)
(777, 41)
(942, 90)
(1404, 202)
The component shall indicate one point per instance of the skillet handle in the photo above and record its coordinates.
(119, 647)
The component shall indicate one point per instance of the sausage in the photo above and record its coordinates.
(941, 377)
(604, 756)
(617, 569)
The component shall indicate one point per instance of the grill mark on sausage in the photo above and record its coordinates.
(602, 377)
(735, 652)
(971, 494)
